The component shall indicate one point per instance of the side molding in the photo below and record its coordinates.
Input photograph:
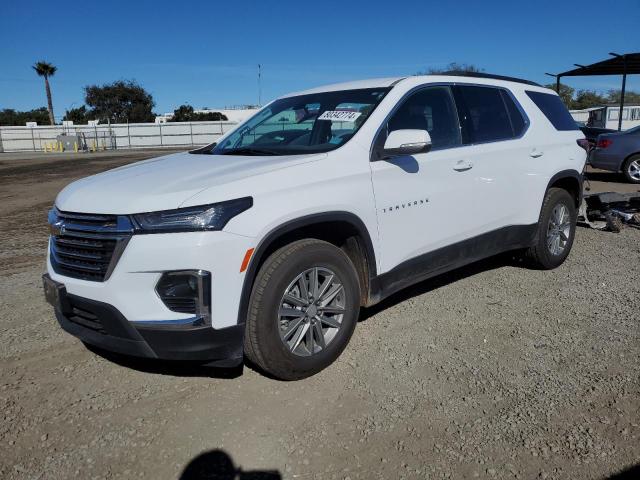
(451, 257)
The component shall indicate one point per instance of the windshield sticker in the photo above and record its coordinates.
(340, 115)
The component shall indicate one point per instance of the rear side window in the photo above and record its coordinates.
(486, 118)
(554, 110)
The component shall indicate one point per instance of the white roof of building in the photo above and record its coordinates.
(585, 110)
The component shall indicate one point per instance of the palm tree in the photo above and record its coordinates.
(46, 70)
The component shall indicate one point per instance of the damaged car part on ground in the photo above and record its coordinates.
(610, 211)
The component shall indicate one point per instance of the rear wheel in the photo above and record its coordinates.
(303, 309)
(556, 230)
(631, 169)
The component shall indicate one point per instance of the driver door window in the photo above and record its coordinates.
(431, 109)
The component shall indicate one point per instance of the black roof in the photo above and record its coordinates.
(611, 66)
(457, 73)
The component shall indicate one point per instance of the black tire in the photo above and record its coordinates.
(262, 344)
(540, 254)
(626, 168)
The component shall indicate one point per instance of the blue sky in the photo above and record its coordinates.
(205, 53)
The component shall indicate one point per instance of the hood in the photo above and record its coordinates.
(166, 182)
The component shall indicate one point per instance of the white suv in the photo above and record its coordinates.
(267, 244)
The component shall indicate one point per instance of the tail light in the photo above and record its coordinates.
(604, 143)
(584, 143)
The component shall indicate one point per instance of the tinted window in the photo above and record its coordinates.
(554, 110)
(485, 114)
(517, 121)
(431, 109)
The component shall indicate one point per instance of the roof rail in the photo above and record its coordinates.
(455, 73)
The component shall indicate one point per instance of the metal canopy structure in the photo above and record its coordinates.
(619, 64)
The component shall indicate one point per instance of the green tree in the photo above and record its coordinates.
(588, 98)
(78, 115)
(9, 116)
(566, 93)
(182, 114)
(46, 70)
(453, 67)
(208, 117)
(121, 101)
(185, 113)
(630, 97)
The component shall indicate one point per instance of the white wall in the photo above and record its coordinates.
(119, 136)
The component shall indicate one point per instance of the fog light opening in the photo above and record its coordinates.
(187, 291)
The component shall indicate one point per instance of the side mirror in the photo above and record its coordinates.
(406, 142)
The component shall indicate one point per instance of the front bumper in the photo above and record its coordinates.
(102, 325)
(131, 288)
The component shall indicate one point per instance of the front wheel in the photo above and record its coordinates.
(556, 230)
(631, 169)
(303, 309)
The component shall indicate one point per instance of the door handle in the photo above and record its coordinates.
(535, 153)
(462, 166)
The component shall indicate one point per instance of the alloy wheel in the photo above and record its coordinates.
(559, 229)
(311, 311)
(634, 169)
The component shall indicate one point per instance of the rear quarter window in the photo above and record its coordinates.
(518, 123)
(554, 110)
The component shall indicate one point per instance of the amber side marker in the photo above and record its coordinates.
(245, 260)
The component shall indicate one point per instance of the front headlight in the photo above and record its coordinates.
(189, 219)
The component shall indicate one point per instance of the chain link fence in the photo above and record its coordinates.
(114, 136)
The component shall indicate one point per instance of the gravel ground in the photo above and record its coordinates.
(493, 371)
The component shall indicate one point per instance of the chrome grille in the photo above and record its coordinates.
(87, 246)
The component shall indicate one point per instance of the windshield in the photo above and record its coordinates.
(313, 123)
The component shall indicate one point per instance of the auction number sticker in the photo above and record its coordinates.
(340, 115)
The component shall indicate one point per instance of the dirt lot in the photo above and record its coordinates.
(494, 371)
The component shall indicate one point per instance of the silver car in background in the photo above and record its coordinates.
(618, 152)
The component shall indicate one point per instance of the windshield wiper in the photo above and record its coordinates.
(250, 151)
(206, 150)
